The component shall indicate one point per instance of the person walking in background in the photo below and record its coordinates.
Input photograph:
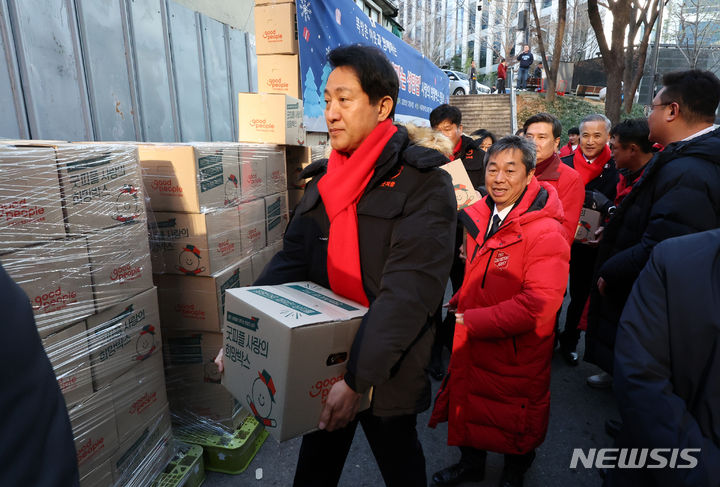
(501, 75)
(667, 364)
(496, 395)
(573, 141)
(593, 161)
(473, 78)
(525, 59)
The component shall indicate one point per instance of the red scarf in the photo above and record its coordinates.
(624, 186)
(341, 189)
(588, 171)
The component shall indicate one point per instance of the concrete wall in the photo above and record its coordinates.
(235, 13)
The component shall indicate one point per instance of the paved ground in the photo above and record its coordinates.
(577, 420)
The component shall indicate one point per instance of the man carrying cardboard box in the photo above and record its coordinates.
(373, 227)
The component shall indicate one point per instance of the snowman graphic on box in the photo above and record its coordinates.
(189, 260)
(127, 204)
(231, 190)
(262, 398)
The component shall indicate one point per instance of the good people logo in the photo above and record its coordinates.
(635, 457)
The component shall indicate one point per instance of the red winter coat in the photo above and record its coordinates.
(496, 395)
(567, 150)
(570, 189)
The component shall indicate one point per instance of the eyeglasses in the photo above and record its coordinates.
(647, 109)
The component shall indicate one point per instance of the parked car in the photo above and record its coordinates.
(603, 94)
(459, 83)
(482, 89)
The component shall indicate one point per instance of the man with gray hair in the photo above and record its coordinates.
(496, 396)
(593, 161)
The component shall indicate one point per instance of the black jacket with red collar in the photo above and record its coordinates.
(473, 158)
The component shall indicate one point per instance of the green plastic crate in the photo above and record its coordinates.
(186, 469)
(229, 453)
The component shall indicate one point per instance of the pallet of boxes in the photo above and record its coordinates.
(219, 211)
(73, 235)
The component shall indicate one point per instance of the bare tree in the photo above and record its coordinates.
(551, 69)
(697, 32)
(624, 57)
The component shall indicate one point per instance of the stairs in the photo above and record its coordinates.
(490, 112)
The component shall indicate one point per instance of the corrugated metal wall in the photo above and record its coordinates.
(149, 70)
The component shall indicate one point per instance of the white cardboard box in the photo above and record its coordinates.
(253, 226)
(30, 202)
(276, 216)
(120, 263)
(56, 278)
(270, 118)
(123, 335)
(284, 348)
(197, 303)
(191, 178)
(197, 244)
(68, 354)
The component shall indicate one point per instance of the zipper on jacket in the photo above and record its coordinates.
(482, 285)
(475, 251)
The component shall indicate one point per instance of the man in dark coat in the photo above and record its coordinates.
(593, 161)
(667, 365)
(525, 59)
(372, 226)
(37, 445)
(632, 152)
(677, 194)
(447, 119)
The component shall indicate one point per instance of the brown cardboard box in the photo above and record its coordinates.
(193, 379)
(197, 303)
(191, 178)
(276, 216)
(96, 475)
(141, 456)
(285, 346)
(270, 118)
(94, 429)
(197, 244)
(101, 186)
(30, 202)
(276, 172)
(279, 73)
(276, 29)
(138, 395)
(253, 228)
(259, 261)
(123, 335)
(120, 263)
(297, 159)
(253, 171)
(587, 226)
(465, 193)
(56, 278)
(68, 354)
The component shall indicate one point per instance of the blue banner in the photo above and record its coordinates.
(324, 25)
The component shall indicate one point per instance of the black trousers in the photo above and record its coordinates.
(582, 271)
(394, 443)
(472, 457)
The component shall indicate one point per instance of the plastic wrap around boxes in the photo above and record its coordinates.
(73, 235)
(207, 237)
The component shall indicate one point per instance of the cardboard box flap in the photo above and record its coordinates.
(298, 304)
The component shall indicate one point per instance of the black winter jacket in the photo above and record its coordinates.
(667, 363)
(406, 222)
(473, 158)
(678, 194)
(37, 445)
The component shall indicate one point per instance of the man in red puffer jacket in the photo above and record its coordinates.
(496, 395)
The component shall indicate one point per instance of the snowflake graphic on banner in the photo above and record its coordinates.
(304, 10)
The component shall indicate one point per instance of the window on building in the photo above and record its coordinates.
(546, 3)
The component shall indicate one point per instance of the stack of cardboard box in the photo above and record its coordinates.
(73, 236)
(276, 44)
(218, 213)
